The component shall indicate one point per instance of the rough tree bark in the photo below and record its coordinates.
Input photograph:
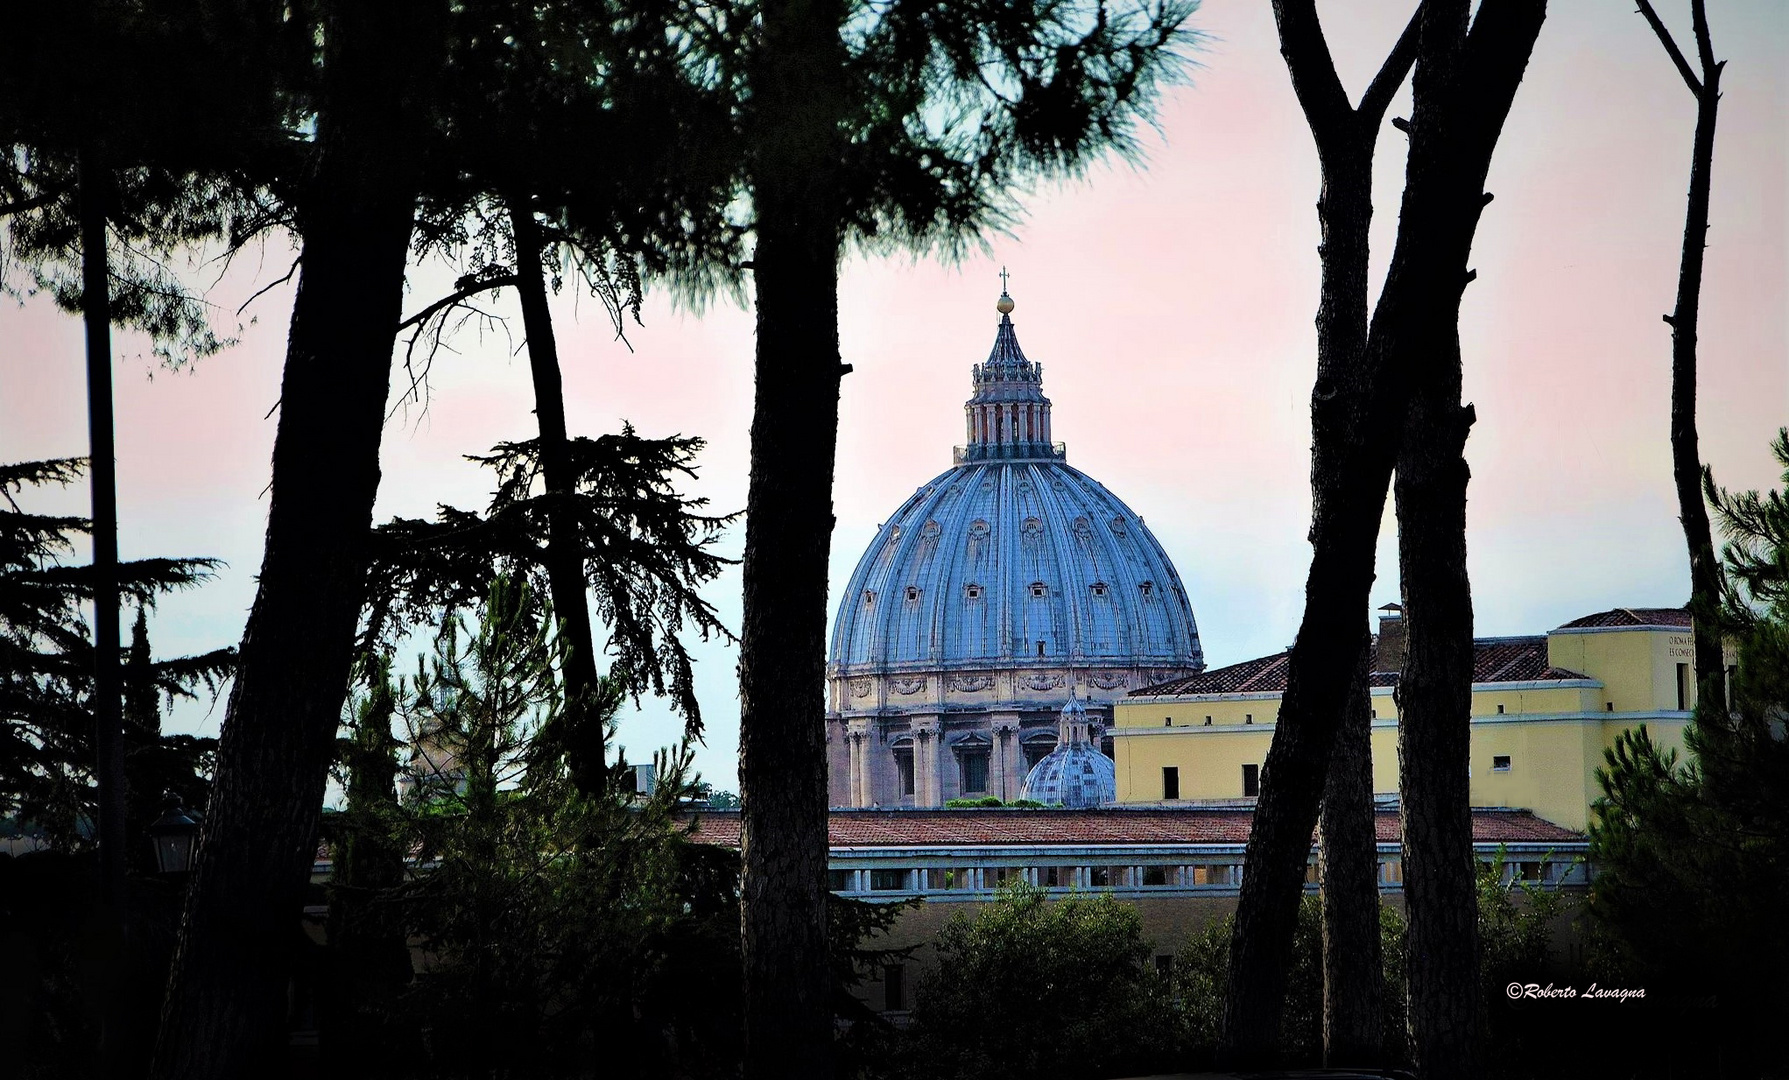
(799, 92)
(1686, 458)
(585, 750)
(1464, 84)
(1348, 873)
(1452, 139)
(227, 994)
(1351, 456)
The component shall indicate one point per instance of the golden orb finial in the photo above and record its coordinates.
(1005, 305)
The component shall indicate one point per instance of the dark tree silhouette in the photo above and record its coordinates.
(354, 208)
(1465, 84)
(900, 125)
(1326, 689)
(47, 760)
(1686, 460)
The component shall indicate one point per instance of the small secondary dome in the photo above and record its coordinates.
(1073, 775)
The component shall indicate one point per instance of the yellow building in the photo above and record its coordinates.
(1543, 710)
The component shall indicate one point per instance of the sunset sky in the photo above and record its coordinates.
(1171, 306)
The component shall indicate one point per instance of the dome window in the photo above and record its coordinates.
(912, 593)
(869, 598)
(1099, 588)
(972, 592)
(1039, 590)
(1146, 587)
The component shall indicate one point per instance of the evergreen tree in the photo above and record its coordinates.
(1693, 854)
(46, 677)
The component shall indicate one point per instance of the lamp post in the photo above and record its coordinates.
(175, 835)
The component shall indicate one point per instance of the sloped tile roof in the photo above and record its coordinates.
(1646, 616)
(1112, 825)
(1515, 659)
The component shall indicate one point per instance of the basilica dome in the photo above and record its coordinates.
(986, 599)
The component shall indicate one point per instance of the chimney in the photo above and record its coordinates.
(1388, 652)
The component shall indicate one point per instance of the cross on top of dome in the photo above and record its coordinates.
(1008, 416)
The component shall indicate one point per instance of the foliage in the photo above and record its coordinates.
(1692, 854)
(650, 551)
(1034, 987)
(561, 934)
(46, 672)
(180, 110)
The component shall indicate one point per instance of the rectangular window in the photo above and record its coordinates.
(1248, 718)
(1251, 780)
(1310, 874)
(1214, 875)
(888, 880)
(1167, 721)
(1040, 648)
(1499, 710)
(1609, 706)
(1531, 871)
(838, 880)
(904, 766)
(1500, 763)
(1100, 877)
(975, 772)
(1391, 872)
(1155, 875)
(894, 987)
(1683, 687)
(1170, 782)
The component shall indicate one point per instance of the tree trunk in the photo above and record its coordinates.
(1464, 86)
(102, 477)
(782, 656)
(585, 733)
(227, 995)
(108, 706)
(1357, 421)
(1352, 426)
(1435, 698)
(1686, 459)
(1348, 868)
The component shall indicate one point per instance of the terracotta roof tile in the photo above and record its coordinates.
(1514, 659)
(1649, 616)
(1115, 826)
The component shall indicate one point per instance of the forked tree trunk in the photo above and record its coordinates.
(798, 79)
(1351, 458)
(1348, 873)
(1452, 139)
(586, 752)
(1686, 458)
(226, 1005)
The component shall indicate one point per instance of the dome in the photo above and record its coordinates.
(1000, 584)
(1012, 556)
(1074, 774)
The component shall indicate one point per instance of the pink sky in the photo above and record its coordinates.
(1171, 308)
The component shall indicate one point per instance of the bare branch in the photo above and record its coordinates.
(1379, 93)
(274, 284)
(1664, 35)
(1313, 70)
(1704, 45)
(464, 292)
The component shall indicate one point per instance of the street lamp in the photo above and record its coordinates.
(175, 835)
